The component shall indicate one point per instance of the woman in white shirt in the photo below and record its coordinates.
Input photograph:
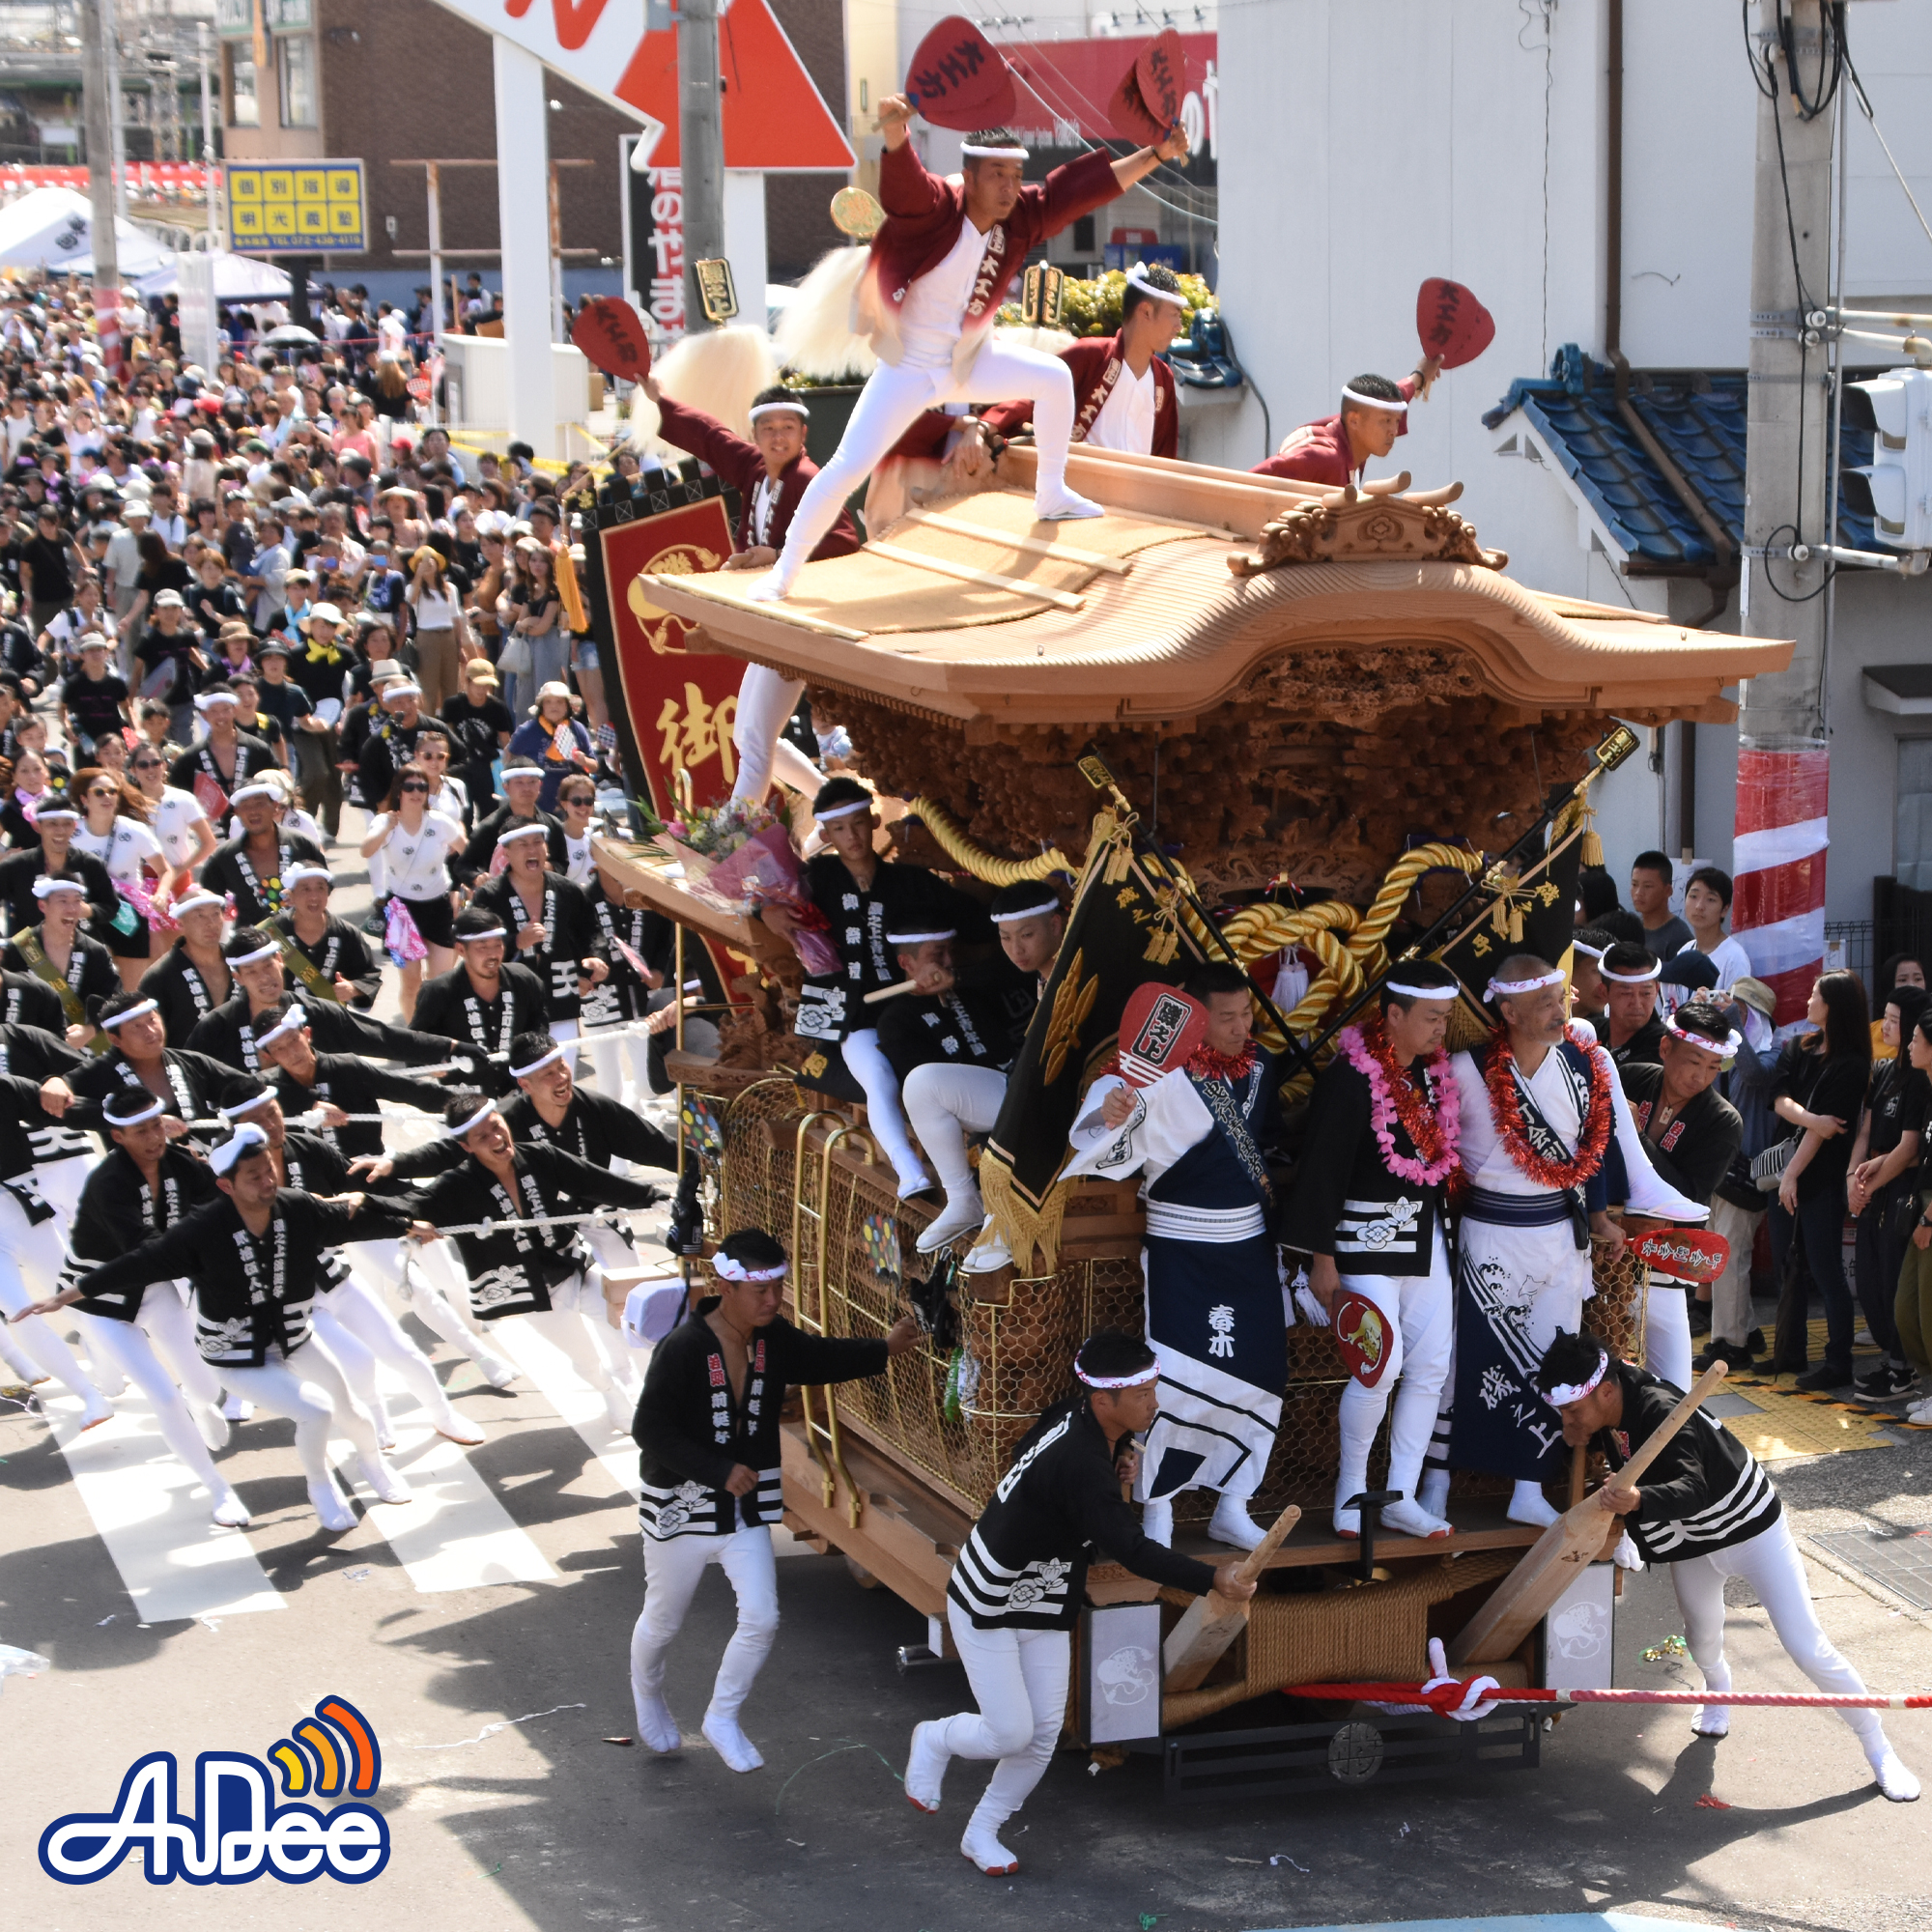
(116, 831)
(442, 640)
(178, 821)
(447, 796)
(576, 804)
(1707, 899)
(417, 845)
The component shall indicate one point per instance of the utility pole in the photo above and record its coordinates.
(202, 50)
(117, 108)
(701, 141)
(93, 22)
(1783, 778)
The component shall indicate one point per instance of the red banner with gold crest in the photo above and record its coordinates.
(681, 706)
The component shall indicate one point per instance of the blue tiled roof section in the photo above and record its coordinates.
(1698, 417)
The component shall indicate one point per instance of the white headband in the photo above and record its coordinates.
(1565, 1393)
(1420, 992)
(195, 901)
(994, 154)
(1137, 279)
(1137, 1379)
(295, 875)
(475, 1121)
(1633, 978)
(727, 1269)
(214, 698)
(292, 1021)
(836, 811)
(1595, 951)
(255, 958)
(920, 938)
(537, 1065)
(779, 409)
(253, 791)
(1041, 909)
(1728, 1046)
(470, 938)
(46, 887)
(235, 1113)
(1508, 989)
(44, 813)
(132, 1013)
(152, 1110)
(1394, 403)
(244, 1140)
(535, 831)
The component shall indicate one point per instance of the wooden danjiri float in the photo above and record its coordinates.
(1226, 683)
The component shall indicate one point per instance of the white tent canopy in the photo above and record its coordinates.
(236, 278)
(53, 228)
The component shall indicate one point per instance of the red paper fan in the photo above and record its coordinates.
(1452, 322)
(1147, 103)
(612, 335)
(1361, 1333)
(1160, 1028)
(958, 79)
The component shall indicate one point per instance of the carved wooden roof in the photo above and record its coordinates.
(1196, 583)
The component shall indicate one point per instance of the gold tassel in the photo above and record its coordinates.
(1022, 1227)
(1516, 925)
(1593, 846)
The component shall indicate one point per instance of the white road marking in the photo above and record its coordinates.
(151, 1512)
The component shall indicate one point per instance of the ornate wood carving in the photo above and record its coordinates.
(1344, 527)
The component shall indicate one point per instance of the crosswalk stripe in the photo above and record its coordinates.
(455, 1534)
(152, 1516)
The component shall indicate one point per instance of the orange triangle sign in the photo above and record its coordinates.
(774, 117)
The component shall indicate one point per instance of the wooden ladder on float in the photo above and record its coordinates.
(812, 1292)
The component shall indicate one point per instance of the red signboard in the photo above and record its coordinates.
(681, 706)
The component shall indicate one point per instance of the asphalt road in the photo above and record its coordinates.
(508, 1809)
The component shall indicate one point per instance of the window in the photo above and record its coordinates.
(1913, 856)
(295, 59)
(1083, 233)
(243, 109)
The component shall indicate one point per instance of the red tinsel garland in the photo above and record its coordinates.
(1506, 1106)
(1212, 1066)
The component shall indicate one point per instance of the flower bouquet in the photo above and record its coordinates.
(738, 856)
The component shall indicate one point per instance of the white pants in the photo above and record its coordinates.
(895, 398)
(944, 1105)
(869, 1065)
(60, 1182)
(563, 1032)
(766, 700)
(607, 1058)
(130, 1346)
(1666, 1333)
(32, 1255)
(1771, 1564)
(1019, 1681)
(431, 1287)
(1420, 1314)
(574, 1305)
(356, 1307)
(308, 1388)
(673, 1569)
(1731, 1291)
(613, 1251)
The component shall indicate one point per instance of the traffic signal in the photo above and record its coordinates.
(1894, 489)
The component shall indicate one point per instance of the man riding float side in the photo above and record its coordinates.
(1539, 1106)
(1367, 1208)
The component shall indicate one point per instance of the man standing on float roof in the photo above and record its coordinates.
(942, 263)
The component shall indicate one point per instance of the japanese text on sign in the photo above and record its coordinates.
(315, 207)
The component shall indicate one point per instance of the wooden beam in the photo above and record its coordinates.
(1092, 559)
(964, 573)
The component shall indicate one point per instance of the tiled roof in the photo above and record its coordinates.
(1698, 417)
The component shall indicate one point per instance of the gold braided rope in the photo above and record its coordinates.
(976, 859)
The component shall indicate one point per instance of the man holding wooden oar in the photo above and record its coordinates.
(1706, 1508)
(1017, 1587)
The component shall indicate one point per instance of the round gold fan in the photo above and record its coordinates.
(856, 214)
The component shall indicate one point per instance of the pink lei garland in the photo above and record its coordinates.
(1436, 1131)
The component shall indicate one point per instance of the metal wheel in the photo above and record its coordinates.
(1354, 1753)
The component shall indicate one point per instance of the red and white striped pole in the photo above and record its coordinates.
(1778, 863)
